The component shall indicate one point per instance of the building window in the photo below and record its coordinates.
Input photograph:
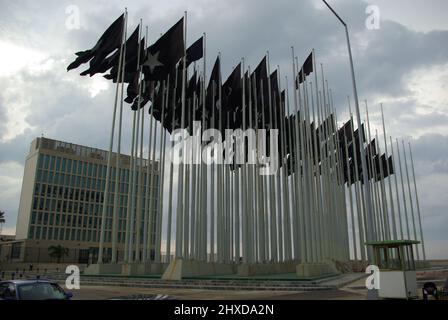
(52, 163)
(31, 233)
(58, 163)
(15, 250)
(39, 161)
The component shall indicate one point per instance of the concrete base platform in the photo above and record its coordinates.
(180, 268)
(140, 269)
(103, 268)
(261, 269)
(314, 269)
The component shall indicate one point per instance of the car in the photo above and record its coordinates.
(32, 289)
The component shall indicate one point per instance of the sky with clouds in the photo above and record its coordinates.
(403, 64)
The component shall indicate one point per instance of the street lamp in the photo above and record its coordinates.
(370, 221)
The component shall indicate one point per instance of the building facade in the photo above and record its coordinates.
(62, 198)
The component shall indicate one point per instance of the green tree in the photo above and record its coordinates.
(57, 252)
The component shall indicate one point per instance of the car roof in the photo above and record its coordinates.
(28, 281)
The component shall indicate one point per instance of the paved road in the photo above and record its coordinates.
(354, 291)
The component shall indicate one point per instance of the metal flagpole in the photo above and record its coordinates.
(147, 194)
(204, 176)
(375, 203)
(139, 190)
(272, 186)
(396, 188)
(418, 205)
(359, 197)
(368, 198)
(410, 199)
(109, 155)
(383, 191)
(170, 192)
(161, 179)
(325, 171)
(133, 188)
(316, 162)
(115, 221)
(299, 156)
(394, 224)
(260, 245)
(404, 194)
(180, 194)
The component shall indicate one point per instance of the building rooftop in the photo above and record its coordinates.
(72, 149)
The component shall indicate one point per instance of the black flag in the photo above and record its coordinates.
(165, 53)
(195, 51)
(306, 69)
(108, 42)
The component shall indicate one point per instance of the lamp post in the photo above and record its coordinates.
(369, 222)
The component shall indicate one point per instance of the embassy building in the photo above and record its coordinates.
(61, 203)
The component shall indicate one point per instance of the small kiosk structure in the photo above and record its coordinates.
(395, 260)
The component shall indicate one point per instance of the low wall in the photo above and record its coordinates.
(180, 268)
(260, 269)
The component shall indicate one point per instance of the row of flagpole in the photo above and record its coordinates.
(223, 215)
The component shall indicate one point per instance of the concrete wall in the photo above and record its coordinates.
(26, 195)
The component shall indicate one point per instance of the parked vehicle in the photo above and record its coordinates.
(35, 289)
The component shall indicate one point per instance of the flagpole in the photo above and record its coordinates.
(376, 207)
(293, 202)
(147, 194)
(204, 237)
(272, 186)
(316, 161)
(180, 195)
(396, 188)
(161, 179)
(170, 192)
(139, 191)
(404, 194)
(298, 173)
(260, 245)
(161, 192)
(134, 189)
(282, 208)
(147, 219)
(109, 155)
(410, 198)
(363, 160)
(418, 205)
(152, 159)
(383, 195)
(122, 59)
(358, 195)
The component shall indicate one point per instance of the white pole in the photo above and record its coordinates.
(109, 155)
(410, 198)
(404, 194)
(418, 205)
(370, 219)
(396, 188)
(118, 154)
(394, 224)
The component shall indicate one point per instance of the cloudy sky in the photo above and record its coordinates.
(403, 64)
